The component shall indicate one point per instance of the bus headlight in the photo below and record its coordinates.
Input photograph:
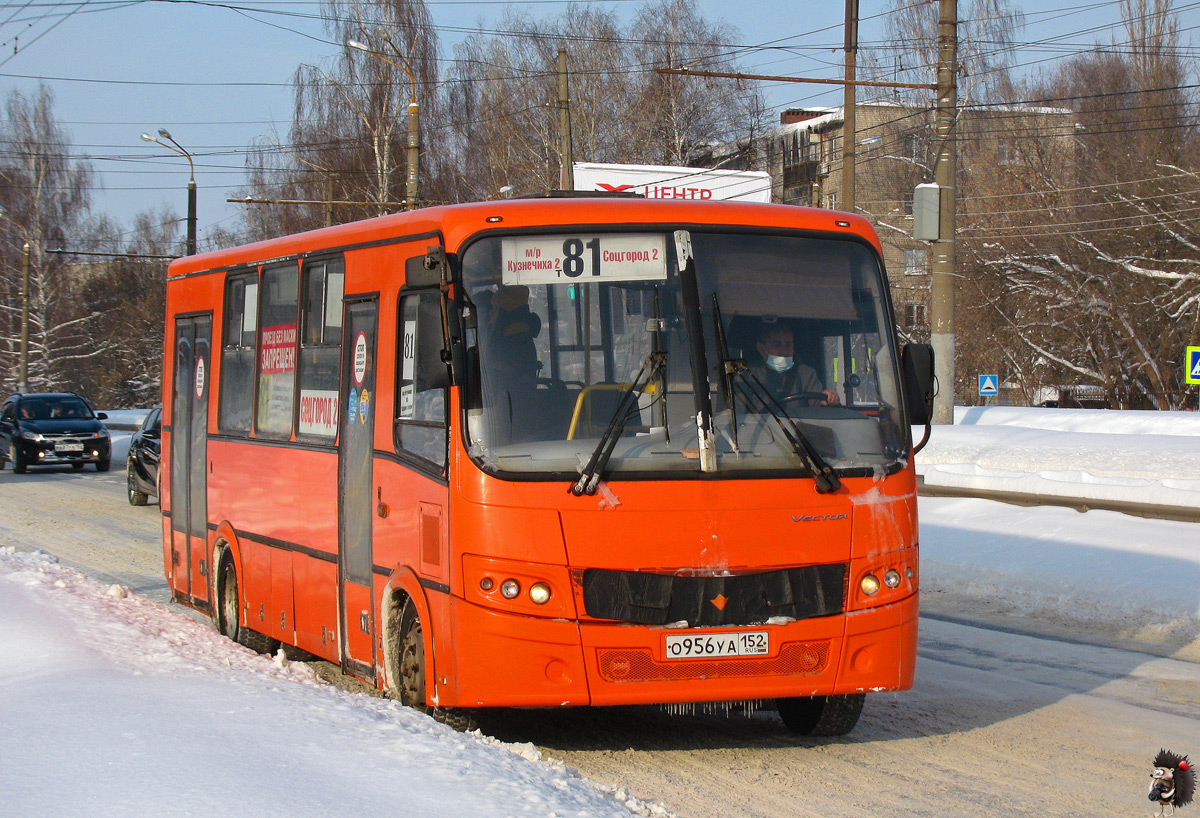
(539, 593)
(510, 589)
(869, 584)
(892, 578)
(486, 584)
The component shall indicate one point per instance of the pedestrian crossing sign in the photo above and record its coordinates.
(1192, 368)
(988, 385)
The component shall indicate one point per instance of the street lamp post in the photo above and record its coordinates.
(410, 192)
(191, 217)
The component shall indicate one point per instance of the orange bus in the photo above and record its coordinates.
(563, 450)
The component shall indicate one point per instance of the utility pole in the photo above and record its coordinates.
(414, 152)
(849, 103)
(566, 179)
(942, 266)
(23, 371)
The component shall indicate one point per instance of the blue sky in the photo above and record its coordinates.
(216, 77)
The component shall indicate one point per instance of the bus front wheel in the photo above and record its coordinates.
(410, 686)
(821, 715)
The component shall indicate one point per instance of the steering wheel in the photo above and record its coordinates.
(818, 397)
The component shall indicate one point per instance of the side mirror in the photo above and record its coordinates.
(102, 416)
(427, 270)
(916, 365)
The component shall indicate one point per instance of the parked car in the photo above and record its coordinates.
(141, 469)
(52, 429)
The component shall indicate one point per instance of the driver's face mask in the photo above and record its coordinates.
(779, 363)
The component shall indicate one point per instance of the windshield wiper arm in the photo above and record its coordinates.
(725, 370)
(589, 477)
(755, 392)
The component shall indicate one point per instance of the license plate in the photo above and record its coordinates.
(68, 447)
(716, 645)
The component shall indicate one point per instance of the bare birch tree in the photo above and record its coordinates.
(45, 194)
(348, 137)
(501, 92)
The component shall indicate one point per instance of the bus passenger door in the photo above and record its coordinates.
(189, 458)
(355, 505)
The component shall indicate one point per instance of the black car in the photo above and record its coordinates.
(52, 429)
(141, 469)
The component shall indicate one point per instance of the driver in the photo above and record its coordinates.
(780, 372)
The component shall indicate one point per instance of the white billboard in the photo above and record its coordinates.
(665, 182)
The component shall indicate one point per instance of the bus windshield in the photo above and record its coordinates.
(578, 337)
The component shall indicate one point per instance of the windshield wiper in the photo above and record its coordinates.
(589, 476)
(725, 370)
(754, 392)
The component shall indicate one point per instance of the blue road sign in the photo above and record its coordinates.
(1192, 366)
(988, 385)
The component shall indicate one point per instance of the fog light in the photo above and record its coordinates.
(869, 584)
(539, 593)
(892, 578)
(487, 584)
(510, 588)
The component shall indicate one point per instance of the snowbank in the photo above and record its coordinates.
(1152, 458)
(115, 706)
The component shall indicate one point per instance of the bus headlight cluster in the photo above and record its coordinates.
(539, 592)
(880, 580)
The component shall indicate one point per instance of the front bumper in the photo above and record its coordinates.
(504, 660)
(52, 452)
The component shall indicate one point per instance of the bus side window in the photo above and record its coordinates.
(420, 392)
(320, 350)
(277, 351)
(240, 331)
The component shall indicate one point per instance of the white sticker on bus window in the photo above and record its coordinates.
(360, 358)
(409, 350)
(407, 400)
(584, 258)
(319, 412)
(199, 378)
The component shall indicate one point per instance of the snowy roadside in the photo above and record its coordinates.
(114, 705)
(1151, 458)
(1099, 576)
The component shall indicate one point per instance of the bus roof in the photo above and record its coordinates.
(455, 223)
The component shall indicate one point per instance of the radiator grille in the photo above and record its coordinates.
(712, 601)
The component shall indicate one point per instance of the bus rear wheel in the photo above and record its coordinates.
(230, 621)
(410, 684)
(821, 715)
